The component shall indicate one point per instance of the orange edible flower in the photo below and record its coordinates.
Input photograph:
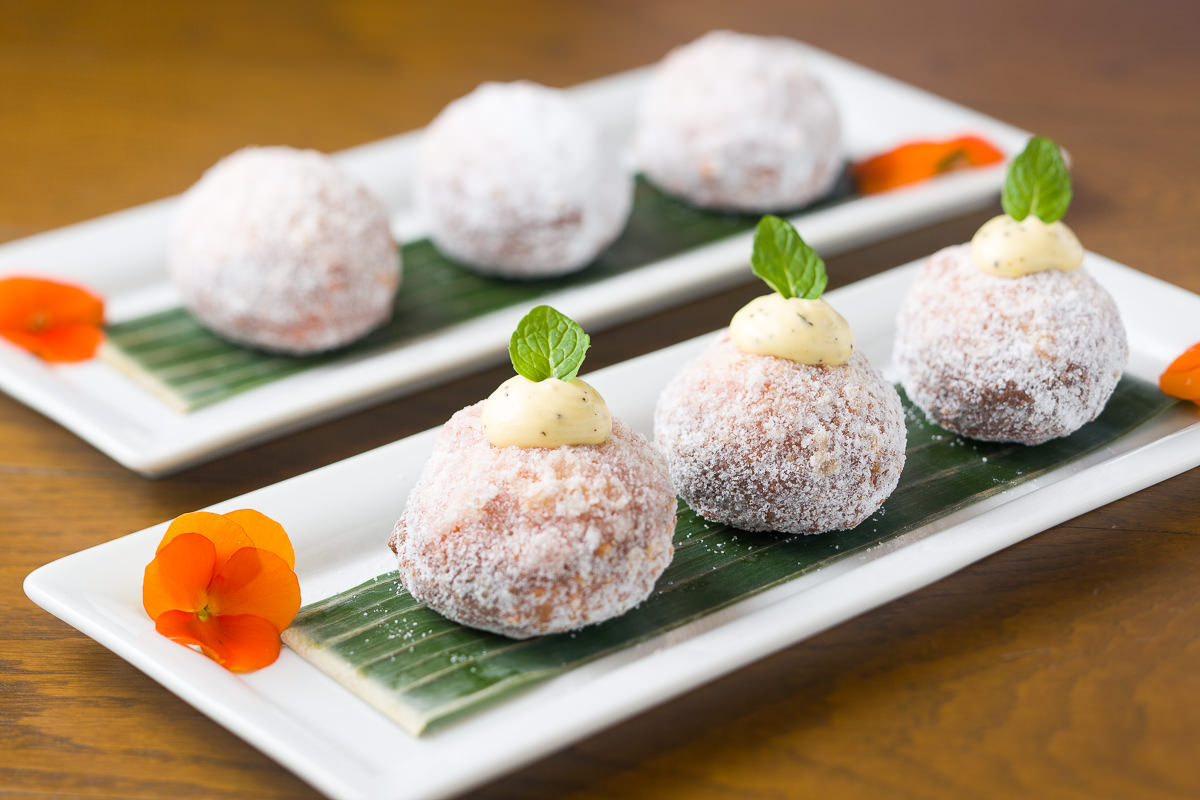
(224, 583)
(916, 161)
(56, 321)
(1182, 378)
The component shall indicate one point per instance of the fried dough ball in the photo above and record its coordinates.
(765, 443)
(1023, 360)
(278, 249)
(530, 541)
(514, 182)
(739, 122)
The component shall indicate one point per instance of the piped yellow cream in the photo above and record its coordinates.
(547, 413)
(1009, 249)
(807, 331)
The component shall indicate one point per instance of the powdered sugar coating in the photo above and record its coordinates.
(739, 122)
(514, 181)
(529, 541)
(278, 249)
(1023, 359)
(764, 443)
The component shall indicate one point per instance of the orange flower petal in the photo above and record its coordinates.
(258, 582)
(32, 304)
(1184, 385)
(1182, 378)
(209, 587)
(240, 643)
(266, 533)
(72, 342)
(917, 161)
(226, 535)
(179, 575)
(980, 151)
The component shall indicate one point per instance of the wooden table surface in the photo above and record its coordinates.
(1066, 666)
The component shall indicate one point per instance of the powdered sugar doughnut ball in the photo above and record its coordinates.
(765, 443)
(278, 249)
(529, 541)
(1023, 359)
(739, 122)
(513, 181)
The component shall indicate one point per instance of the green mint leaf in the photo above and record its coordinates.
(785, 262)
(547, 344)
(1037, 183)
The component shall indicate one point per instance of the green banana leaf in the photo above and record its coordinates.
(421, 669)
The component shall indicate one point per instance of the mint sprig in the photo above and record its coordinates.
(785, 261)
(1037, 183)
(548, 344)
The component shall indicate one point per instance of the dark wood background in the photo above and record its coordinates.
(1067, 666)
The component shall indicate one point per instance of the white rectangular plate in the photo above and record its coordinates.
(122, 256)
(340, 517)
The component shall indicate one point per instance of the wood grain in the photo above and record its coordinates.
(1067, 666)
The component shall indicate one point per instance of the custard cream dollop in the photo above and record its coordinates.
(1009, 249)
(547, 413)
(807, 331)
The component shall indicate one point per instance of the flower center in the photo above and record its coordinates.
(204, 614)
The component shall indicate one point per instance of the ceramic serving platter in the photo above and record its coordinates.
(340, 516)
(121, 256)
